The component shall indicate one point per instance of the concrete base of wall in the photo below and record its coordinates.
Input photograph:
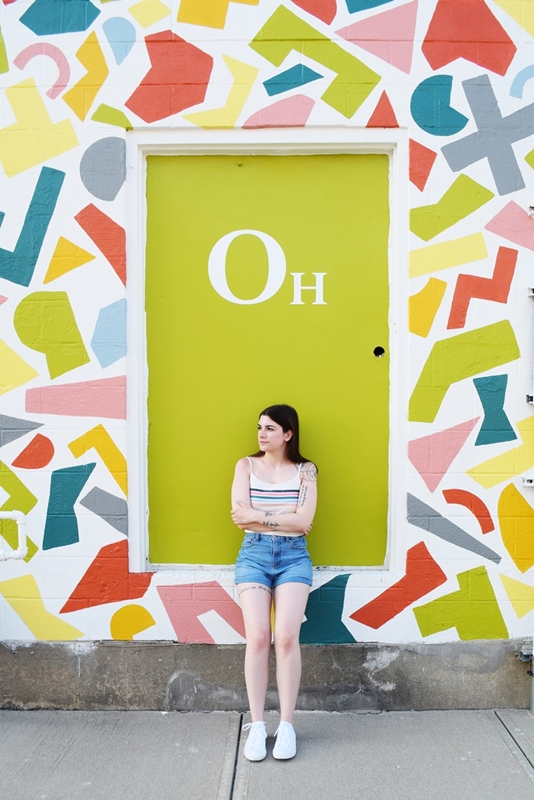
(188, 677)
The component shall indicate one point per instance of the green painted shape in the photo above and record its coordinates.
(20, 499)
(45, 322)
(459, 357)
(460, 200)
(284, 32)
(112, 116)
(4, 61)
(529, 158)
(323, 624)
(473, 610)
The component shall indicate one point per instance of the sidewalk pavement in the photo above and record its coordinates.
(153, 755)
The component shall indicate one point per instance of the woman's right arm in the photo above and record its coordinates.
(241, 486)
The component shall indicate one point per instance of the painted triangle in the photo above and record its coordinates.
(432, 455)
(421, 162)
(12, 428)
(66, 257)
(383, 116)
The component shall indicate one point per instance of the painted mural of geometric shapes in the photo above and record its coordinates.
(178, 78)
(291, 112)
(38, 454)
(103, 167)
(45, 322)
(423, 306)
(496, 426)
(20, 499)
(120, 34)
(109, 337)
(513, 223)
(108, 235)
(128, 621)
(325, 10)
(509, 464)
(462, 198)
(25, 599)
(475, 505)
(18, 265)
(108, 580)
(148, 12)
(423, 575)
(431, 108)
(495, 288)
(383, 116)
(46, 17)
(518, 83)
(362, 5)
(473, 610)
(494, 138)
(226, 116)
(210, 13)
(520, 595)
(449, 254)
(104, 397)
(421, 162)
(112, 116)
(66, 257)
(389, 35)
(529, 158)
(99, 439)
(521, 11)
(433, 455)
(292, 78)
(284, 32)
(61, 527)
(112, 509)
(185, 603)
(4, 61)
(12, 428)
(516, 520)
(15, 371)
(462, 356)
(53, 52)
(82, 95)
(323, 623)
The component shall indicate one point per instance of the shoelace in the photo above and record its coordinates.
(284, 736)
(255, 728)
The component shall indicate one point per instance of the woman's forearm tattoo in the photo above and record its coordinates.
(270, 524)
(309, 471)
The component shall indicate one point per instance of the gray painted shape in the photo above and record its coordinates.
(103, 167)
(427, 518)
(494, 137)
(112, 509)
(12, 428)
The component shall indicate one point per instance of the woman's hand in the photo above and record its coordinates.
(243, 514)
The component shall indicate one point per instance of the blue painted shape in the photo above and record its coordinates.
(61, 527)
(45, 17)
(18, 265)
(323, 623)
(431, 107)
(518, 83)
(290, 79)
(120, 34)
(496, 426)
(362, 5)
(109, 337)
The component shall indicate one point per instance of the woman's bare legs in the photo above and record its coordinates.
(255, 602)
(289, 603)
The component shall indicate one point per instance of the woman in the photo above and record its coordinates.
(274, 495)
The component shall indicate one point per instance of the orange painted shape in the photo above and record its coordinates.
(128, 621)
(432, 455)
(185, 603)
(495, 288)
(383, 116)
(39, 453)
(325, 10)
(421, 162)
(476, 506)
(108, 235)
(516, 518)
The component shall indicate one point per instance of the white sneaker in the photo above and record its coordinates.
(286, 741)
(255, 749)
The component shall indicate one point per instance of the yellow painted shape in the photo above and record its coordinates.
(25, 599)
(81, 97)
(99, 439)
(516, 520)
(522, 11)
(244, 76)
(14, 371)
(66, 257)
(129, 620)
(424, 306)
(210, 13)
(519, 594)
(148, 12)
(515, 461)
(33, 138)
(447, 254)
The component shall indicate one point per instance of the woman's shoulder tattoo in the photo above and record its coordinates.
(309, 471)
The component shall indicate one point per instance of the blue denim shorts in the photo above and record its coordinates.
(272, 560)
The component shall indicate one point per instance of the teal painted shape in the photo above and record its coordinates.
(323, 623)
(109, 337)
(45, 17)
(120, 34)
(290, 79)
(496, 426)
(362, 5)
(61, 527)
(431, 107)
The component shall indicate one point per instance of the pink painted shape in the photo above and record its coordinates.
(100, 398)
(185, 603)
(389, 35)
(432, 455)
(53, 52)
(514, 224)
(291, 112)
(3, 299)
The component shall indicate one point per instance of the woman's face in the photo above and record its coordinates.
(271, 436)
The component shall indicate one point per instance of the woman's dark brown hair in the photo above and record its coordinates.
(287, 417)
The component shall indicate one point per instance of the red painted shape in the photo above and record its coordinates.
(108, 235)
(108, 580)
(421, 162)
(383, 116)
(423, 574)
(39, 453)
(185, 603)
(7, 2)
(324, 10)
(467, 29)
(475, 505)
(495, 288)
(177, 79)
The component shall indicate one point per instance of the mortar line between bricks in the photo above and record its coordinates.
(513, 745)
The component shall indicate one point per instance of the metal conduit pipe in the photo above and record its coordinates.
(22, 549)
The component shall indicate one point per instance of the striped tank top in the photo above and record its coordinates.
(275, 498)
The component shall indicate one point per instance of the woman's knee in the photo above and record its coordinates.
(258, 640)
(285, 640)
